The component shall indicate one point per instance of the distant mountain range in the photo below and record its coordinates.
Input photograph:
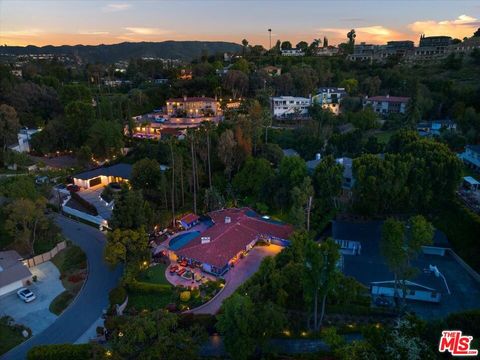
(183, 50)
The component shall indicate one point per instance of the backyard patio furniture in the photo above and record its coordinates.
(181, 271)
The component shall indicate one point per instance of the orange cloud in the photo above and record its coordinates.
(376, 34)
(460, 27)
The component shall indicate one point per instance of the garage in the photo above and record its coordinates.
(11, 287)
(96, 181)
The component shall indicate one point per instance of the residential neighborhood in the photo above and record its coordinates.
(239, 180)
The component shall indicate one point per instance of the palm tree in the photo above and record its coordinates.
(245, 45)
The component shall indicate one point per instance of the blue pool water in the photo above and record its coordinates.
(183, 239)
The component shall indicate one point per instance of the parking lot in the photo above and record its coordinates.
(35, 314)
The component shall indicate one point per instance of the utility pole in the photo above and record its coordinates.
(270, 38)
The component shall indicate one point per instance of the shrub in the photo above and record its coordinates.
(185, 296)
(117, 295)
(64, 351)
(468, 321)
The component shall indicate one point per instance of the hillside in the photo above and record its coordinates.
(184, 50)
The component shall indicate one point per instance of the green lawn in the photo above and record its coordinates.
(154, 275)
(384, 136)
(148, 301)
(10, 336)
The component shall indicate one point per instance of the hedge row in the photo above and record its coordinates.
(63, 351)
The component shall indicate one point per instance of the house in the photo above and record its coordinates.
(193, 107)
(160, 81)
(471, 156)
(327, 51)
(13, 273)
(434, 128)
(189, 221)
(24, 136)
(347, 178)
(273, 70)
(330, 98)
(230, 234)
(385, 105)
(290, 152)
(361, 258)
(185, 74)
(289, 106)
(471, 183)
(103, 176)
(312, 164)
(292, 52)
(431, 47)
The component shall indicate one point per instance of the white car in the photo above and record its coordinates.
(26, 295)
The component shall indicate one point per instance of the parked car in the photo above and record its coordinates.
(173, 269)
(73, 188)
(26, 295)
(40, 180)
(382, 301)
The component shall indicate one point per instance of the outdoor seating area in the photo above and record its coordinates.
(180, 273)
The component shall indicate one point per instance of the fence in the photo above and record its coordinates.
(47, 256)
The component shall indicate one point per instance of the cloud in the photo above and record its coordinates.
(146, 31)
(116, 7)
(87, 32)
(377, 34)
(462, 26)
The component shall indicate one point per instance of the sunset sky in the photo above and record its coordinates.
(108, 22)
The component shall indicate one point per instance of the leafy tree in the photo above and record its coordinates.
(105, 139)
(350, 85)
(146, 175)
(302, 197)
(271, 152)
(19, 187)
(9, 126)
(213, 199)
(54, 137)
(75, 92)
(286, 45)
(25, 220)
(254, 179)
(226, 151)
(84, 156)
(401, 244)
(236, 82)
(412, 113)
(79, 116)
(237, 323)
(129, 210)
(129, 247)
(320, 275)
(302, 45)
(327, 182)
(156, 335)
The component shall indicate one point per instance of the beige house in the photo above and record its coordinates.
(192, 107)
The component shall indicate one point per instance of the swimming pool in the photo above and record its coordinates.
(181, 240)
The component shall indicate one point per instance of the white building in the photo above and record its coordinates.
(330, 98)
(387, 104)
(289, 106)
(24, 137)
(292, 52)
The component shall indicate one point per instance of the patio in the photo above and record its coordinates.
(177, 280)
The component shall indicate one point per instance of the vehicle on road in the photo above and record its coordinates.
(26, 295)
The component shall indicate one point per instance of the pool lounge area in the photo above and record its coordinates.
(183, 239)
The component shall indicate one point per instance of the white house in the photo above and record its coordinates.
(289, 106)
(387, 104)
(292, 52)
(330, 98)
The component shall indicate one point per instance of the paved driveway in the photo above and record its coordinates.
(235, 277)
(92, 195)
(35, 315)
(90, 302)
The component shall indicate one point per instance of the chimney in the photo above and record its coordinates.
(388, 96)
(184, 97)
(318, 156)
(228, 220)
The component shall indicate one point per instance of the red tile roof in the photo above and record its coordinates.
(389, 98)
(228, 239)
(189, 218)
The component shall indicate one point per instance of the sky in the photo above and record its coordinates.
(91, 22)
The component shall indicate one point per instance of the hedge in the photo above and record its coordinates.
(63, 351)
(117, 295)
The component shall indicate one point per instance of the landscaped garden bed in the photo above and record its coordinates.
(10, 334)
(72, 264)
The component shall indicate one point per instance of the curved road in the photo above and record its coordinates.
(93, 297)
